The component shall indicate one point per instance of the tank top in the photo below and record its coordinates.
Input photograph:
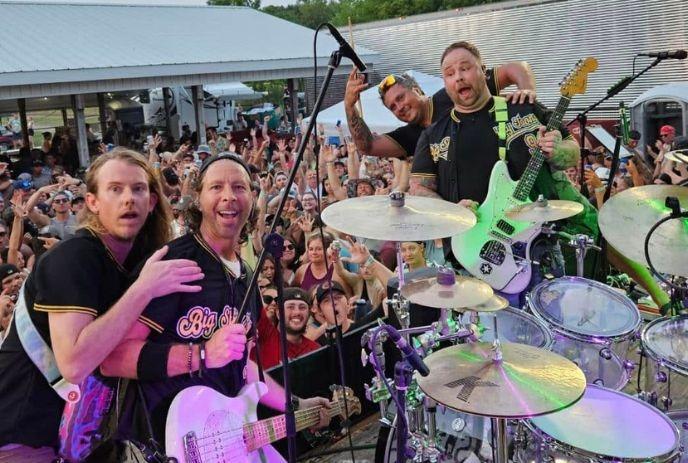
(310, 281)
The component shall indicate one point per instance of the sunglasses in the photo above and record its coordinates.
(387, 82)
(3, 233)
(269, 299)
(288, 247)
(60, 201)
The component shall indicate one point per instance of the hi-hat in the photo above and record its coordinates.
(544, 210)
(430, 292)
(398, 218)
(527, 381)
(626, 218)
(677, 156)
(493, 304)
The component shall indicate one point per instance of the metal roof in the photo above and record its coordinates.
(673, 91)
(52, 49)
(551, 35)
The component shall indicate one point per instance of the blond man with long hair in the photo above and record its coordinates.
(79, 300)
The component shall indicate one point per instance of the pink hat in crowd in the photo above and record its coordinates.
(667, 130)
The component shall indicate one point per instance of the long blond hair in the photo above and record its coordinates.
(156, 230)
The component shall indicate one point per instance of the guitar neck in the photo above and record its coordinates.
(527, 180)
(269, 430)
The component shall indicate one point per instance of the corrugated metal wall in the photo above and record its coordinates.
(551, 36)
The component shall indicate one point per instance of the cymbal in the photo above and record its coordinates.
(527, 381)
(677, 156)
(493, 304)
(465, 292)
(548, 211)
(626, 218)
(417, 219)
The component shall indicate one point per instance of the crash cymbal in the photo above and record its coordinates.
(544, 211)
(677, 156)
(493, 304)
(416, 218)
(626, 218)
(464, 292)
(527, 381)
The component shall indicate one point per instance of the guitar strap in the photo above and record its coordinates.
(501, 116)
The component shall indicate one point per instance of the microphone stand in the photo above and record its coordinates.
(335, 59)
(582, 117)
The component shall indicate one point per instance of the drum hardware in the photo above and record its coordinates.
(580, 243)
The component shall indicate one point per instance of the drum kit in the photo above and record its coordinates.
(548, 376)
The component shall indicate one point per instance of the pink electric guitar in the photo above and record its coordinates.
(206, 426)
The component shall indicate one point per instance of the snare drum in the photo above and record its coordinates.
(665, 343)
(593, 326)
(603, 426)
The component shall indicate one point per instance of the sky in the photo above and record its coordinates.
(157, 2)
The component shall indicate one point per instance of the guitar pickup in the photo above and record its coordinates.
(505, 226)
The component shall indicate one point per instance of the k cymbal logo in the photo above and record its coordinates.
(468, 385)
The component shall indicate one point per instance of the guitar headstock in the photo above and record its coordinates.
(576, 80)
(353, 405)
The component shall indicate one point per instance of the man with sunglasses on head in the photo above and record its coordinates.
(402, 95)
(297, 304)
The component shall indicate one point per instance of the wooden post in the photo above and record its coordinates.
(65, 120)
(80, 125)
(101, 114)
(197, 96)
(21, 102)
(166, 105)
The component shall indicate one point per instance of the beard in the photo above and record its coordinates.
(297, 331)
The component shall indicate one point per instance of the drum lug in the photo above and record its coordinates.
(606, 353)
(628, 365)
(666, 402)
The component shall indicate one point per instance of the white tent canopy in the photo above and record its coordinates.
(378, 118)
(232, 91)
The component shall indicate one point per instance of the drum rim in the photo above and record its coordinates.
(664, 458)
(620, 336)
(673, 365)
(528, 316)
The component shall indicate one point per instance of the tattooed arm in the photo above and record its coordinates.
(424, 185)
(366, 142)
(560, 154)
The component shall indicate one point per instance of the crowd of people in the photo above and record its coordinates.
(140, 249)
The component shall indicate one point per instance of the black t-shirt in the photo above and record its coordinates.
(461, 149)
(192, 317)
(407, 136)
(78, 275)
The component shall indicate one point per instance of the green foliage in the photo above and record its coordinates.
(310, 13)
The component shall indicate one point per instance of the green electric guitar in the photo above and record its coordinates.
(497, 249)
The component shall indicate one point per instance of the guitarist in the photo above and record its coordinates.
(455, 155)
(166, 347)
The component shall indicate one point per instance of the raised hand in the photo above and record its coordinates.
(354, 86)
(359, 252)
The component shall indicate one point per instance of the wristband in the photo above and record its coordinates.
(152, 362)
(201, 364)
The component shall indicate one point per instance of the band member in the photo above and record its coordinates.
(78, 301)
(402, 95)
(163, 350)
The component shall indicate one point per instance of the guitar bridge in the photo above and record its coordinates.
(193, 455)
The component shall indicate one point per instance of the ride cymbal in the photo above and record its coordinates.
(527, 381)
(626, 218)
(410, 218)
(430, 292)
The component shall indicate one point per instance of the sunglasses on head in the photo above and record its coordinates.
(388, 82)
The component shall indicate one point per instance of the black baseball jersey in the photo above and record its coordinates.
(440, 105)
(78, 275)
(461, 149)
(192, 317)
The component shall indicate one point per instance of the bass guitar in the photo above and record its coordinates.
(497, 249)
(205, 426)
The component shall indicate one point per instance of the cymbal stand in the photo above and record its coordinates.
(499, 424)
(580, 242)
(378, 390)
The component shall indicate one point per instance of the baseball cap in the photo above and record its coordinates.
(298, 294)
(203, 149)
(7, 270)
(325, 288)
(38, 162)
(667, 130)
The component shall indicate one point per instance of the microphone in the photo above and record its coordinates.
(346, 49)
(676, 54)
(409, 352)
